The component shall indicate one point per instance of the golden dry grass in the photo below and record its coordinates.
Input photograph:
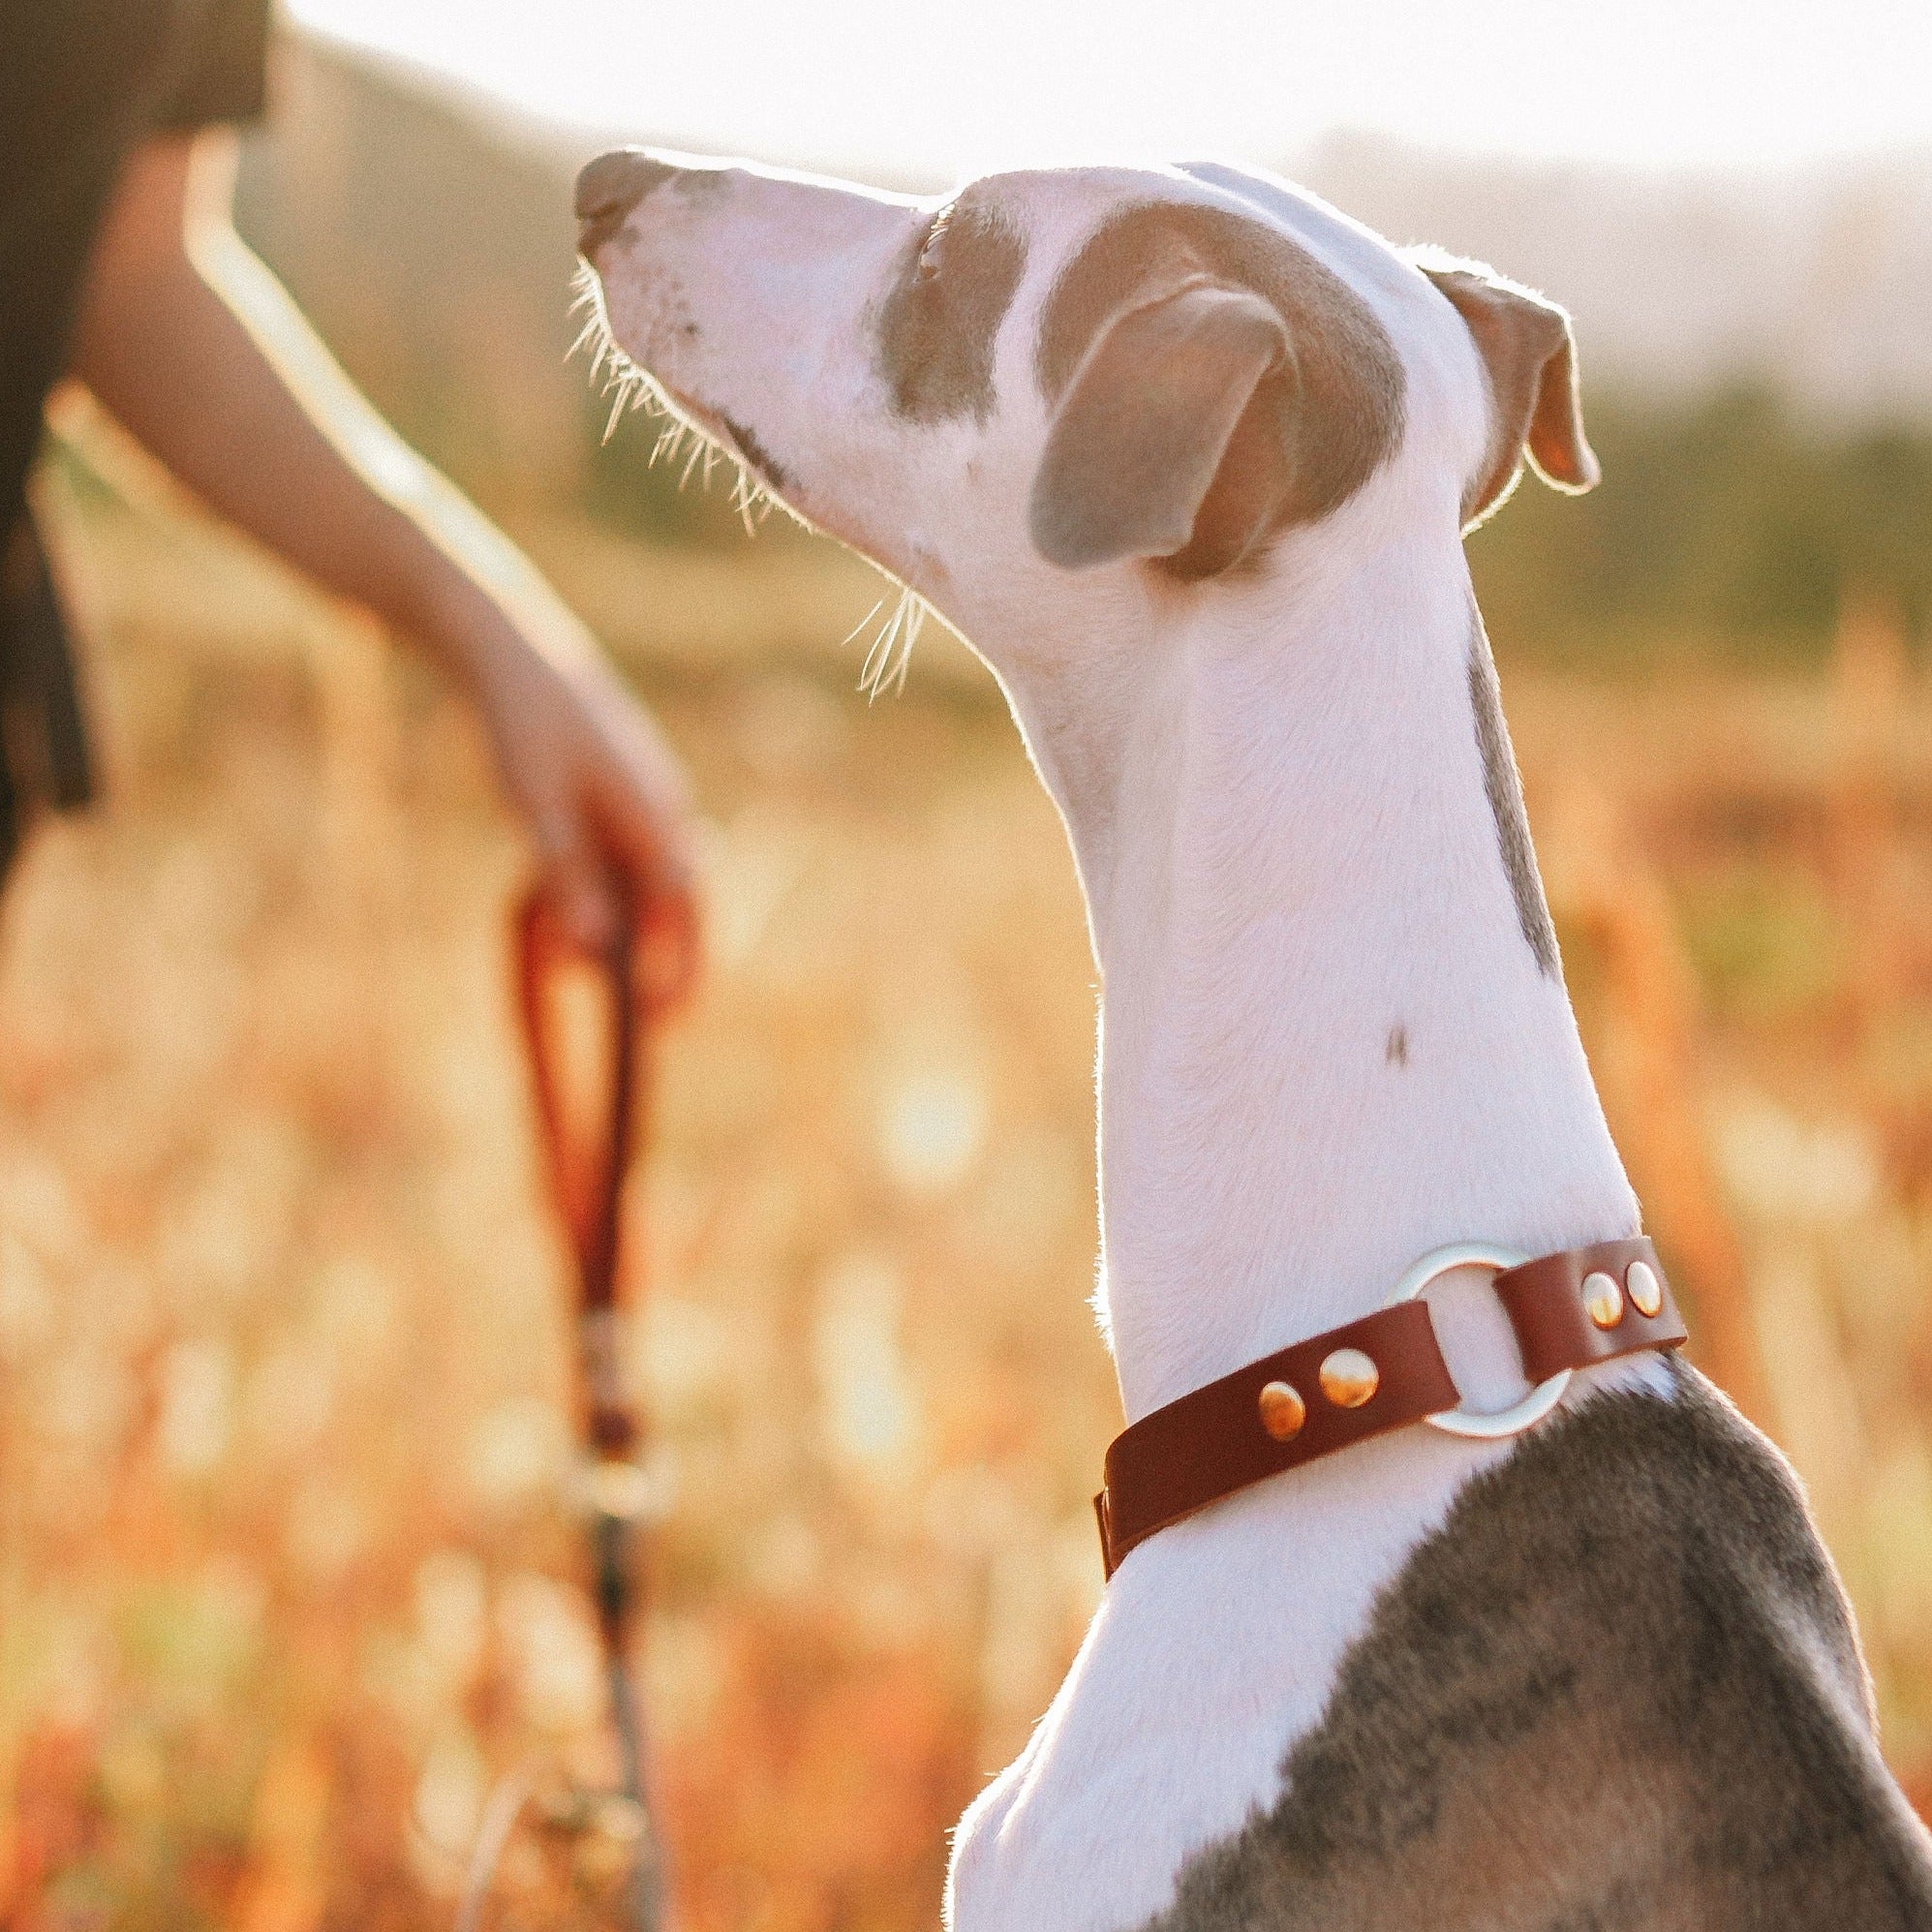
(288, 1572)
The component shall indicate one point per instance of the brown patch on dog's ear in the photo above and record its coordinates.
(1172, 440)
(1214, 385)
(1530, 355)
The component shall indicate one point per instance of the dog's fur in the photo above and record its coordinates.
(1187, 456)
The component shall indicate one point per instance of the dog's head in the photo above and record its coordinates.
(1155, 377)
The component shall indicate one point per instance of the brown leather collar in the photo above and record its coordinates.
(1583, 1306)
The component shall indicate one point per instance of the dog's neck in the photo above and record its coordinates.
(1327, 1042)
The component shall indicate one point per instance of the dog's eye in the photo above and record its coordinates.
(929, 251)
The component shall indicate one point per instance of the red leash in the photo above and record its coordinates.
(588, 1168)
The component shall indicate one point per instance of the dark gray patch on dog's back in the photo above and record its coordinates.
(1617, 1689)
(1504, 786)
(954, 285)
(1350, 405)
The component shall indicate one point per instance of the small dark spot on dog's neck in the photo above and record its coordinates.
(1397, 1052)
(754, 452)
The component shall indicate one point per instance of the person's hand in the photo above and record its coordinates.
(603, 799)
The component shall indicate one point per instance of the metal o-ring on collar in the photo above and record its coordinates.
(1519, 1415)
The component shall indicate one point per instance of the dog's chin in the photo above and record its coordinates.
(717, 427)
(739, 444)
(709, 425)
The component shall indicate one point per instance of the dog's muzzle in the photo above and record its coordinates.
(608, 187)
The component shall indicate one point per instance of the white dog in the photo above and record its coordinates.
(1189, 456)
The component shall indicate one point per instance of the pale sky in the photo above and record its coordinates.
(899, 87)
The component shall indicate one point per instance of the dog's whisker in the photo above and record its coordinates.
(889, 656)
(587, 298)
(595, 337)
(916, 611)
(750, 498)
(862, 623)
(875, 656)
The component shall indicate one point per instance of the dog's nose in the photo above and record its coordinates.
(609, 188)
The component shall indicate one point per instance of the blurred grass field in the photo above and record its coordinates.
(287, 1569)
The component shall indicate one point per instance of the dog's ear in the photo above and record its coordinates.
(1531, 355)
(1172, 439)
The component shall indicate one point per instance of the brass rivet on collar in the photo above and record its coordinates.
(1603, 1299)
(1646, 1292)
(1282, 1410)
(1349, 1378)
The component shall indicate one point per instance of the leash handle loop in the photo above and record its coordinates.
(587, 1168)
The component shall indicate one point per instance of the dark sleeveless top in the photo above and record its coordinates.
(82, 83)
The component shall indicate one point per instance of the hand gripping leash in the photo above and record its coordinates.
(587, 1173)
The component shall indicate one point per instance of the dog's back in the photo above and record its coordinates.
(1619, 1688)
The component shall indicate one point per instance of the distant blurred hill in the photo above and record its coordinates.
(431, 241)
(422, 209)
(434, 253)
(1813, 283)
(1756, 350)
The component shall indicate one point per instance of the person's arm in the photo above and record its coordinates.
(192, 345)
